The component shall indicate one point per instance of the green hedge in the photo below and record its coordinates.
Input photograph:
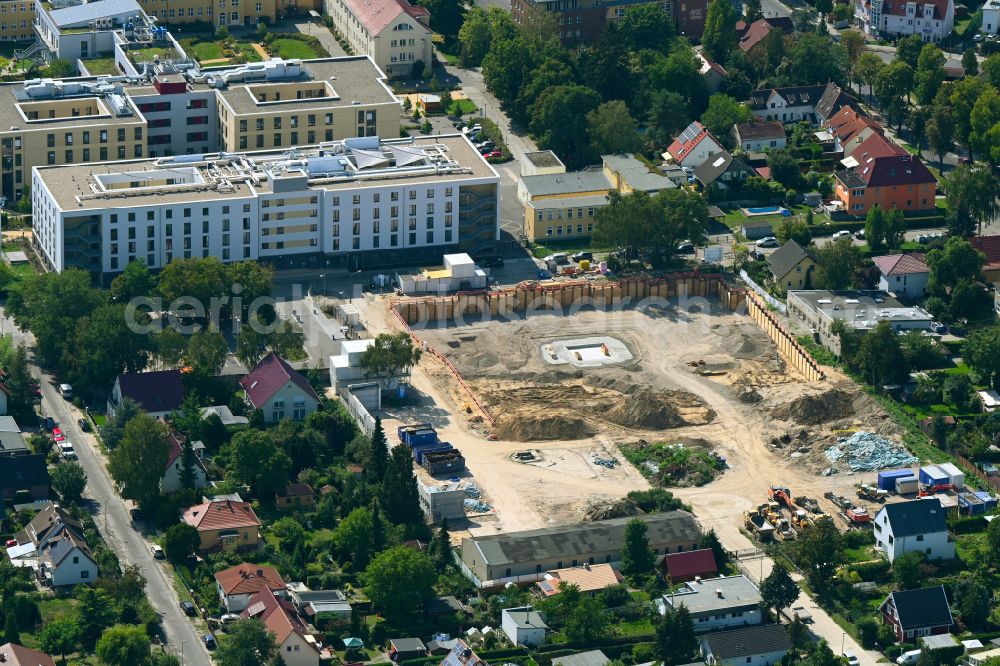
(855, 225)
(875, 572)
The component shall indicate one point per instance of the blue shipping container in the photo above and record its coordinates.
(419, 453)
(403, 430)
(887, 479)
(932, 475)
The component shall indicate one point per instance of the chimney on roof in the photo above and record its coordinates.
(718, 593)
(260, 572)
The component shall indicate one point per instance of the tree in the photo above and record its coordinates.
(958, 260)
(940, 131)
(180, 542)
(69, 480)
(588, 623)
(854, 42)
(929, 73)
(752, 11)
(187, 475)
(60, 636)
(993, 539)
(288, 339)
(196, 279)
(984, 136)
(675, 638)
(256, 460)
(722, 113)
(785, 168)
(251, 344)
(399, 497)
(820, 654)
(390, 358)
(778, 590)
(11, 630)
(820, 548)
(648, 27)
(971, 196)
(249, 281)
(247, 643)
(354, 537)
(655, 224)
(637, 557)
(446, 16)
(814, 59)
(95, 612)
(378, 453)
(719, 34)
(711, 541)
(476, 33)
(439, 549)
(135, 281)
(398, 580)
(124, 645)
(893, 83)
(104, 345)
(556, 117)
(169, 346)
(908, 50)
(981, 351)
(867, 69)
(970, 63)
(137, 464)
(906, 571)
(206, 352)
(113, 431)
(838, 262)
(972, 600)
(612, 128)
(880, 358)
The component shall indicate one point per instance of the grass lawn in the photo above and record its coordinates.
(293, 48)
(99, 66)
(641, 627)
(923, 411)
(206, 51)
(540, 251)
(462, 107)
(855, 555)
(99, 419)
(144, 55)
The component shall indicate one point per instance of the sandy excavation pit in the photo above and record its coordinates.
(652, 377)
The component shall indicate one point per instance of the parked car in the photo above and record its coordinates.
(852, 659)
(50, 423)
(559, 258)
(543, 274)
(158, 554)
(67, 450)
(907, 658)
(843, 233)
(490, 261)
(493, 155)
(10, 543)
(209, 641)
(228, 620)
(860, 234)
(135, 515)
(57, 434)
(84, 424)
(583, 256)
(757, 254)
(938, 327)
(687, 247)
(767, 241)
(66, 391)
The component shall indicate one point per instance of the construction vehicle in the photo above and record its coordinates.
(858, 515)
(783, 530)
(771, 511)
(871, 493)
(840, 501)
(781, 495)
(800, 520)
(759, 526)
(808, 503)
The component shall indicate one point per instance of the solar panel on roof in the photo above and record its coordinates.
(689, 133)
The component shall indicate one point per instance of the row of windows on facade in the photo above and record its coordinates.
(115, 261)
(558, 213)
(403, 57)
(401, 42)
(103, 153)
(103, 137)
(569, 229)
(365, 116)
(13, 8)
(590, 560)
(293, 137)
(13, 26)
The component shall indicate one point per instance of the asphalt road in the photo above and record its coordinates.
(111, 516)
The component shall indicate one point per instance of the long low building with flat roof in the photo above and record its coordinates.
(522, 557)
(354, 203)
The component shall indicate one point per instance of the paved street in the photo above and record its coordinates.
(112, 519)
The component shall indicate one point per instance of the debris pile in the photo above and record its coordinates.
(817, 408)
(608, 509)
(609, 463)
(474, 500)
(867, 452)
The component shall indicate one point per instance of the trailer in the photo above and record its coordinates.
(933, 476)
(907, 485)
(976, 503)
(443, 462)
(757, 524)
(956, 477)
(808, 503)
(887, 479)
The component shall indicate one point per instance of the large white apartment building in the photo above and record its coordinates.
(395, 33)
(932, 20)
(355, 203)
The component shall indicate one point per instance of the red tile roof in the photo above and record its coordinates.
(269, 376)
(990, 246)
(874, 146)
(12, 654)
(895, 170)
(176, 442)
(901, 264)
(278, 616)
(755, 34)
(221, 515)
(768, 129)
(376, 15)
(898, 8)
(249, 578)
(691, 563)
(687, 141)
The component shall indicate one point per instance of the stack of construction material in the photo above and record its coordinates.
(867, 452)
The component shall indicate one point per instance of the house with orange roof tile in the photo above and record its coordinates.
(12, 654)
(296, 644)
(395, 33)
(224, 525)
(238, 584)
(692, 147)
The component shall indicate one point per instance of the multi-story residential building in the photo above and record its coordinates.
(898, 181)
(230, 13)
(395, 33)
(932, 20)
(585, 20)
(991, 17)
(356, 203)
(273, 105)
(17, 18)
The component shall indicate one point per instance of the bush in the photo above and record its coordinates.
(867, 632)
(876, 572)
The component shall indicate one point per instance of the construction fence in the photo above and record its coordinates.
(789, 348)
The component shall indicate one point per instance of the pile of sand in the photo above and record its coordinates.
(817, 408)
(611, 508)
(659, 411)
(541, 427)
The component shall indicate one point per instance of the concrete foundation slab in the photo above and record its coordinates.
(586, 352)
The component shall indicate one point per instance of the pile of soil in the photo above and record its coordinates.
(542, 427)
(817, 408)
(608, 509)
(659, 411)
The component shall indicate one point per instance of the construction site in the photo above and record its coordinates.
(545, 403)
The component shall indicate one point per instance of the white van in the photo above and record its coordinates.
(66, 390)
(908, 658)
